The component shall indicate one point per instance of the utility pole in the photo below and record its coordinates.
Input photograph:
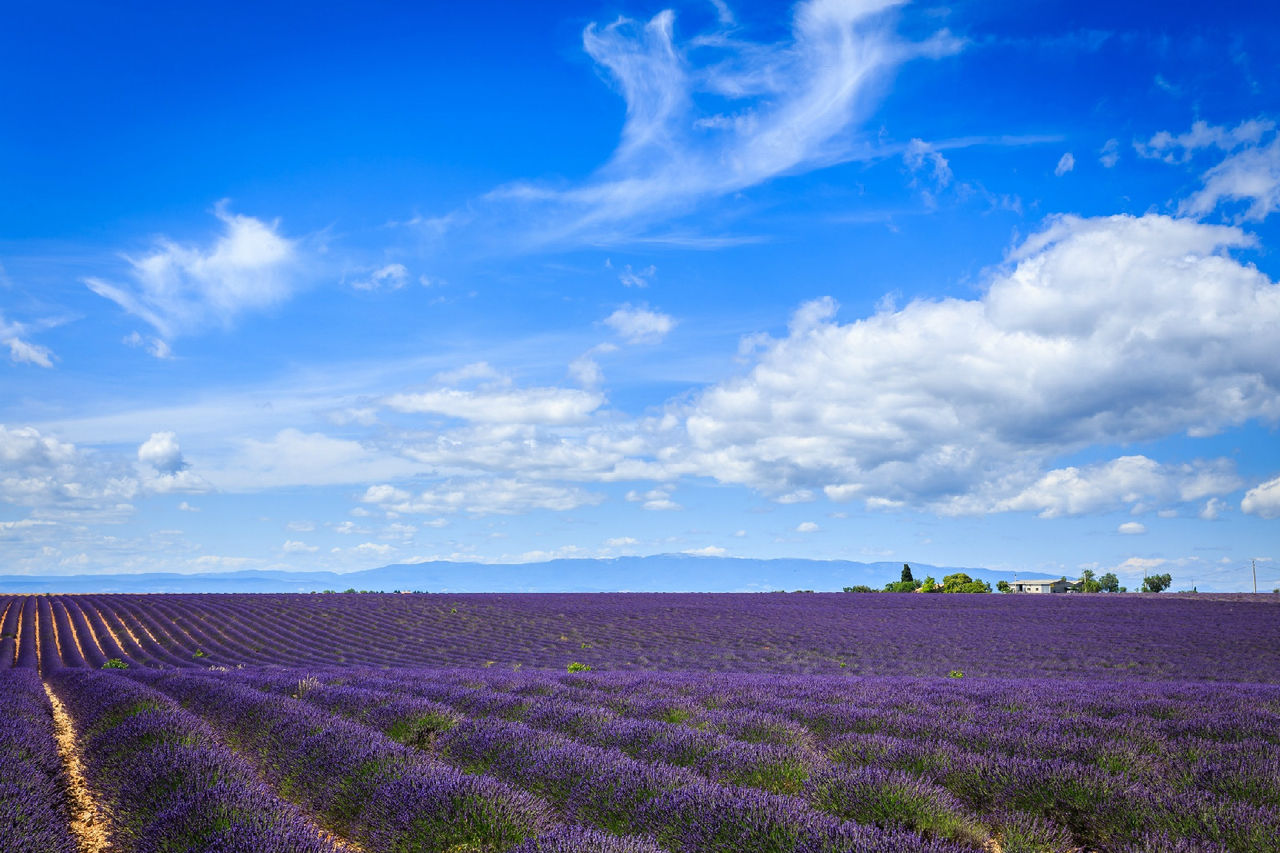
(1254, 563)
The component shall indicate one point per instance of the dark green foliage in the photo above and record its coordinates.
(961, 582)
(906, 574)
(115, 663)
(1156, 583)
(1003, 586)
(859, 588)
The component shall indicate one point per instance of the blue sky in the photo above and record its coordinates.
(332, 286)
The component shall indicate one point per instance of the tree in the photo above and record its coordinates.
(1089, 582)
(858, 588)
(929, 585)
(961, 582)
(1109, 583)
(906, 575)
(1156, 583)
(1003, 586)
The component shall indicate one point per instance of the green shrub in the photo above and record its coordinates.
(579, 667)
(115, 663)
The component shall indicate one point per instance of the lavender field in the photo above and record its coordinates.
(762, 722)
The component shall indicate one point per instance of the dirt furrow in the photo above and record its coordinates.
(89, 823)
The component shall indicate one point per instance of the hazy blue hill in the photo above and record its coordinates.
(658, 573)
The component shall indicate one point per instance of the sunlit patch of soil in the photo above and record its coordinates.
(89, 823)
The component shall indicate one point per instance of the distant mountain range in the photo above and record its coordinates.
(657, 573)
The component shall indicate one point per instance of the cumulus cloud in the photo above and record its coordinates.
(1065, 164)
(1132, 528)
(161, 451)
(1103, 487)
(1096, 331)
(806, 527)
(706, 551)
(1212, 508)
(38, 470)
(293, 546)
(1263, 500)
(639, 324)
(654, 499)
(715, 114)
(180, 289)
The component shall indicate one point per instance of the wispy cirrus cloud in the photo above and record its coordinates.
(22, 351)
(180, 289)
(1248, 175)
(714, 114)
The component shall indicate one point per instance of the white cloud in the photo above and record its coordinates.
(155, 346)
(706, 551)
(172, 473)
(38, 470)
(1263, 500)
(23, 351)
(1097, 331)
(182, 289)
(637, 278)
(639, 324)
(620, 541)
(921, 158)
(1065, 164)
(161, 451)
(500, 405)
(389, 277)
(293, 546)
(715, 114)
(657, 500)
(806, 527)
(1109, 154)
(490, 496)
(1182, 147)
(1251, 175)
(183, 506)
(384, 494)
(586, 370)
(1212, 509)
(1108, 486)
(1132, 528)
(376, 548)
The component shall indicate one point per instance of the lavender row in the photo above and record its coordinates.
(1224, 796)
(1223, 740)
(377, 792)
(607, 788)
(1220, 638)
(165, 780)
(1215, 748)
(34, 812)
